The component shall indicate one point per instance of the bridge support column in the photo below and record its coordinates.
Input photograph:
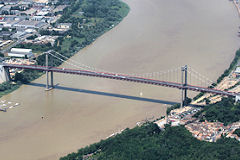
(47, 75)
(51, 85)
(184, 83)
(4, 74)
(47, 83)
(52, 79)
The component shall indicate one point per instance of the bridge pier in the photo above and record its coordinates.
(51, 85)
(52, 79)
(4, 74)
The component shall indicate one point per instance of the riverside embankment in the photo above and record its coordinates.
(156, 35)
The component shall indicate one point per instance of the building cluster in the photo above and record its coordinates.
(18, 61)
(20, 19)
(179, 116)
(236, 73)
(211, 131)
(42, 40)
(206, 131)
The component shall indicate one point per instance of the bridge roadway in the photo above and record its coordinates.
(123, 78)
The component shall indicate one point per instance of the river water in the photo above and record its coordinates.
(156, 35)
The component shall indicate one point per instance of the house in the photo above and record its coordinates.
(36, 18)
(42, 13)
(236, 73)
(64, 25)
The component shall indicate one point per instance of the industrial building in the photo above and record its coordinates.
(21, 53)
(30, 24)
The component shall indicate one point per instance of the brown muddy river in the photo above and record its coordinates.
(156, 35)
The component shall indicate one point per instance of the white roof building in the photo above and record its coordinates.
(21, 52)
(237, 71)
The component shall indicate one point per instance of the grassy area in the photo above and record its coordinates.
(66, 43)
(12, 87)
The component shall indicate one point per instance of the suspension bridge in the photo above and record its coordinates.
(155, 78)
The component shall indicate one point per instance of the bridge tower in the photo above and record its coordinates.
(47, 75)
(184, 83)
(4, 73)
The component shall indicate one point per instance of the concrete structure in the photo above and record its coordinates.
(4, 74)
(21, 52)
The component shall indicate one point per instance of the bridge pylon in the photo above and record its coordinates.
(184, 83)
(51, 86)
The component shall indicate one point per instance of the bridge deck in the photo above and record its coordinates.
(122, 77)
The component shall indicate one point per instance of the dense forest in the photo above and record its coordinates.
(225, 111)
(149, 143)
(89, 18)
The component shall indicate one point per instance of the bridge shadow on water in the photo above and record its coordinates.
(105, 94)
